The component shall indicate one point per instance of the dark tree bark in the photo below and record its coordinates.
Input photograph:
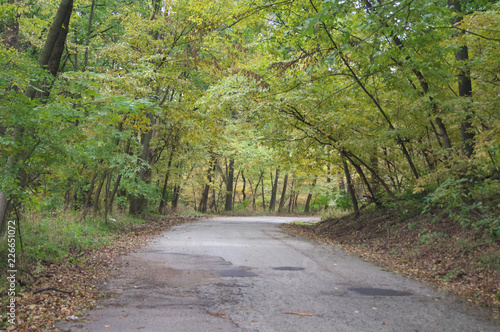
(86, 204)
(177, 195)
(274, 191)
(204, 196)
(113, 193)
(464, 84)
(263, 196)
(307, 207)
(292, 193)
(98, 194)
(350, 188)
(341, 183)
(234, 188)
(283, 194)
(360, 172)
(58, 49)
(89, 31)
(57, 28)
(107, 197)
(165, 182)
(202, 207)
(254, 192)
(229, 186)
(244, 186)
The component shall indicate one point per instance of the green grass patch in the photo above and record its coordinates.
(303, 223)
(51, 239)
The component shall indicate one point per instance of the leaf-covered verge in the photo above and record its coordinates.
(61, 287)
(433, 250)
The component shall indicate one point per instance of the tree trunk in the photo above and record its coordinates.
(283, 194)
(98, 194)
(177, 194)
(274, 190)
(202, 207)
(107, 197)
(307, 207)
(58, 48)
(367, 184)
(138, 203)
(234, 188)
(57, 28)
(113, 193)
(443, 133)
(308, 203)
(89, 196)
(165, 183)
(89, 31)
(464, 84)
(350, 188)
(229, 186)
(263, 196)
(348, 155)
(4, 203)
(290, 202)
(244, 186)
(254, 192)
(204, 196)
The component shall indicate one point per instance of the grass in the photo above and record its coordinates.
(303, 223)
(49, 239)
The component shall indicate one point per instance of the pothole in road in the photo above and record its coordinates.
(240, 272)
(378, 291)
(288, 268)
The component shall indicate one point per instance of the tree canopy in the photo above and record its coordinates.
(250, 105)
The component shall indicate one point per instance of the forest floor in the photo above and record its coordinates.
(61, 291)
(437, 252)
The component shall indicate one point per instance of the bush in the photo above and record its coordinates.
(471, 203)
(342, 201)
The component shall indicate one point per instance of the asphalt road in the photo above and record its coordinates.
(244, 274)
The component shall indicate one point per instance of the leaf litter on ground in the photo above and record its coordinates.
(63, 291)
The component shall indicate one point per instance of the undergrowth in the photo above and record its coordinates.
(42, 239)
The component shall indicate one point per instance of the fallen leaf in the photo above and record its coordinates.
(297, 313)
(218, 314)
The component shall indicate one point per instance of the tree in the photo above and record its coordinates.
(49, 58)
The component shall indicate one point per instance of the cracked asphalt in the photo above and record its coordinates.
(244, 274)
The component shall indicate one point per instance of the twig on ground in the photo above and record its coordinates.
(51, 288)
